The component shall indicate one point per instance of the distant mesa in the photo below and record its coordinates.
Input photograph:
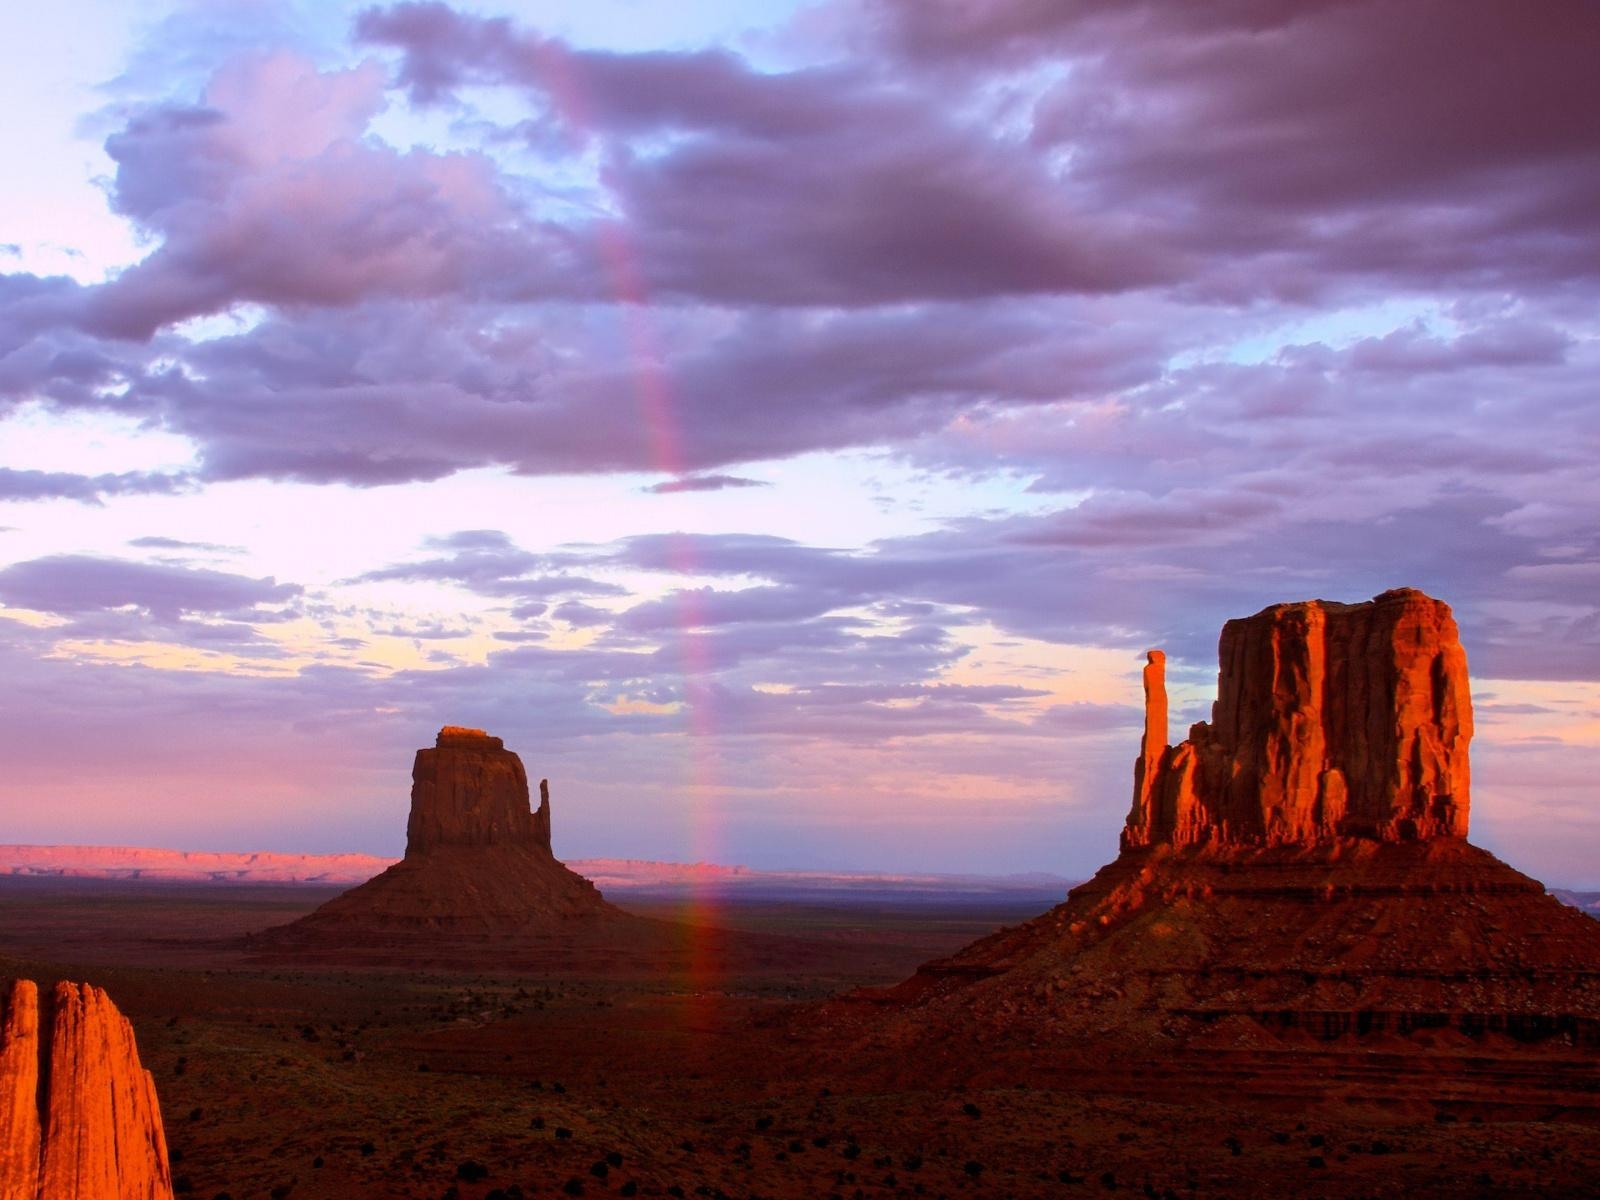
(79, 1118)
(1297, 868)
(477, 859)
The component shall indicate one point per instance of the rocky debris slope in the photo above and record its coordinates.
(1295, 872)
(78, 1113)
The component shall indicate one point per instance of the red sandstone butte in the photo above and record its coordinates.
(78, 1113)
(469, 790)
(477, 860)
(1294, 893)
(1331, 720)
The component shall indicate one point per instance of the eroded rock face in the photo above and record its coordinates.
(469, 790)
(1331, 720)
(93, 1129)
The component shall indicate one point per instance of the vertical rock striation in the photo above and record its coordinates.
(81, 1120)
(19, 1092)
(1331, 720)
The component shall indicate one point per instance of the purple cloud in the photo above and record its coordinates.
(703, 483)
(70, 584)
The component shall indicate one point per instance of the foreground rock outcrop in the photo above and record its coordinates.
(1296, 873)
(478, 861)
(78, 1113)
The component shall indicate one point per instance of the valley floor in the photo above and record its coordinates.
(690, 1081)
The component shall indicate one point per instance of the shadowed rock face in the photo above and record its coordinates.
(469, 790)
(1331, 720)
(78, 1113)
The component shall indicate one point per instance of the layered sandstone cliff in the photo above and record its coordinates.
(1331, 720)
(78, 1113)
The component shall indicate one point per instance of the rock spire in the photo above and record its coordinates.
(1331, 720)
(78, 1113)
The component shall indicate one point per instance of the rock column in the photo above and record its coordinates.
(93, 1130)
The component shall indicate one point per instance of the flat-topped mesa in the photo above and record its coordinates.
(79, 1118)
(1331, 720)
(469, 790)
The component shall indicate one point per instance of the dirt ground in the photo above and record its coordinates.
(683, 1081)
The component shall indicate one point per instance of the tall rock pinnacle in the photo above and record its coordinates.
(1331, 720)
(78, 1113)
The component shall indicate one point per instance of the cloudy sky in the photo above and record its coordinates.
(785, 423)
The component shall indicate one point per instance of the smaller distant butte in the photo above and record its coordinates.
(478, 861)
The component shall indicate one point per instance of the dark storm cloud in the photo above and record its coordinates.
(1431, 142)
(813, 186)
(1151, 183)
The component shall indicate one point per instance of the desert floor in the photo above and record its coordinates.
(698, 1076)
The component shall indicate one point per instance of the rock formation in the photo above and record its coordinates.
(477, 861)
(1331, 720)
(469, 790)
(78, 1114)
(1297, 868)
